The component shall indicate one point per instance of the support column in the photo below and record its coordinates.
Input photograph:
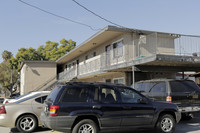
(133, 70)
(183, 75)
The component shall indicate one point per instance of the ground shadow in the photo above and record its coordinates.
(39, 129)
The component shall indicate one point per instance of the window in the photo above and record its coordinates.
(118, 81)
(94, 54)
(159, 88)
(41, 99)
(183, 86)
(69, 66)
(118, 49)
(108, 95)
(144, 87)
(76, 94)
(54, 93)
(86, 57)
(129, 96)
(96, 94)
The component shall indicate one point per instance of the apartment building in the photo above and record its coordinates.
(124, 56)
(37, 75)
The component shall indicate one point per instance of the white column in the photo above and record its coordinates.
(133, 70)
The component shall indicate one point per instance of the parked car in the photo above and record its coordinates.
(184, 93)
(30, 94)
(91, 107)
(23, 113)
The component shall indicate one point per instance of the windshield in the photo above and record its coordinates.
(53, 94)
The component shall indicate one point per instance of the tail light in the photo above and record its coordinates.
(169, 99)
(2, 110)
(6, 102)
(54, 110)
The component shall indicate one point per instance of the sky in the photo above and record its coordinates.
(22, 26)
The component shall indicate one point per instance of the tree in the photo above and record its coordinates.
(51, 51)
(5, 76)
(6, 55)
(8, 76)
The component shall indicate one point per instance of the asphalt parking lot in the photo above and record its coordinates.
(191, 126)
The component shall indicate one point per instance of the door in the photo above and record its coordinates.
(108, 49)
(107, 106)
(158, 92)
(137, 111)
(37, 104)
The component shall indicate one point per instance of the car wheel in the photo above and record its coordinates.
(27, 123)
(85, 126)
(165, 124)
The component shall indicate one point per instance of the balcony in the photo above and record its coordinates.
(174, 44)
(89, 66)
(144, 46)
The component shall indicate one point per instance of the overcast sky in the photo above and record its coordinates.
(22, 26)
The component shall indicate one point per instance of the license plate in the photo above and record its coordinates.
(195, 96)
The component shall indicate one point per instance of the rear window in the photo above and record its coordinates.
(76, 94)
(27, 98)
(183, 86)
(53, 94)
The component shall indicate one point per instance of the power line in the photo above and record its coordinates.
(98, 15)
(53, 14)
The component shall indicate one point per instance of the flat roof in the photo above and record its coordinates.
(36, 61)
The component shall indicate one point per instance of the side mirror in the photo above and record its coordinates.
(142, 101)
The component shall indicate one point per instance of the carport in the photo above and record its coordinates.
(165, 63)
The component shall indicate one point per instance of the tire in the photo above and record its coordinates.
(85, 126)
(27, 123)
(166, 124)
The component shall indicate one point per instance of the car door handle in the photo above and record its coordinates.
(39, 107)
(96, 107)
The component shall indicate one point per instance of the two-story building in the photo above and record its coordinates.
(123, 55)
(117, 55)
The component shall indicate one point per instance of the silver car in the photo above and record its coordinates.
(24, 114)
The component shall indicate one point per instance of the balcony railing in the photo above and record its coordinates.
(145, 45)
(68, 74)
(90, 65)
(174, 44)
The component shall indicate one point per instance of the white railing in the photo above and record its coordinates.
(109, 59)
(68, 74)
(145, 45)
(174, 44)
(187, 45)
(90, 65)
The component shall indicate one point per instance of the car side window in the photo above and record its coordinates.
(160, 87)
(129, 96)
(76, 94)
(108, 95)
(41, 99)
